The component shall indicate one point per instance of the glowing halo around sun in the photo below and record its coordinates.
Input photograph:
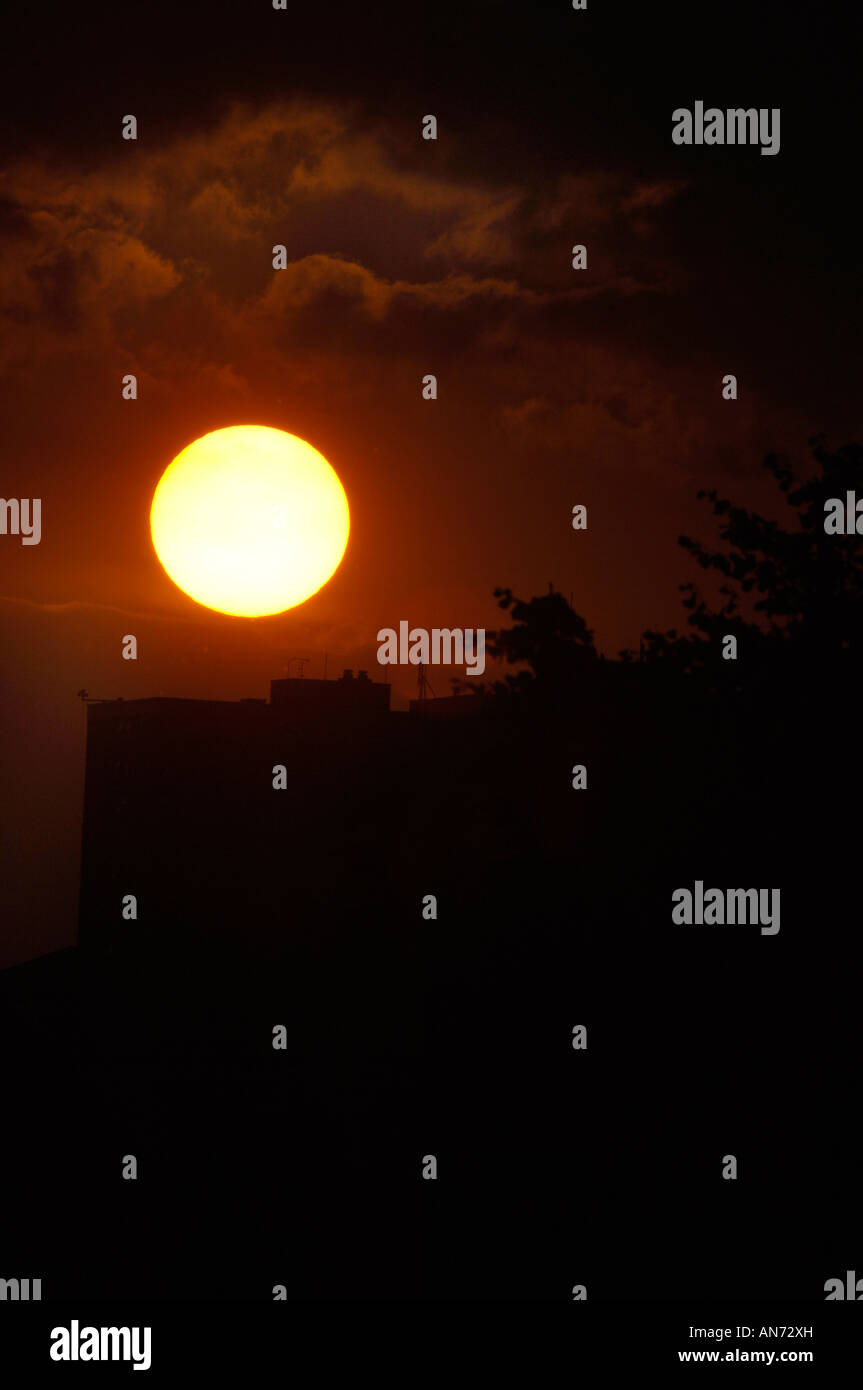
(249, 520)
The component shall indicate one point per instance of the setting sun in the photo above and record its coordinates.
(250, 520)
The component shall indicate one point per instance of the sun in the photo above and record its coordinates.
(250, 520)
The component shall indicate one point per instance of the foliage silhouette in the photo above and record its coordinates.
(786, 591)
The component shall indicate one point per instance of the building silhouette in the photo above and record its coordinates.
(409, 1035)
(181, 813)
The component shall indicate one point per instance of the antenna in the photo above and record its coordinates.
(424, 683)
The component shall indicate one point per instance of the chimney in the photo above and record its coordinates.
(347, 674)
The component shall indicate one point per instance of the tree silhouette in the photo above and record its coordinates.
(791, 594)
(548, 639)
(787, 591)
